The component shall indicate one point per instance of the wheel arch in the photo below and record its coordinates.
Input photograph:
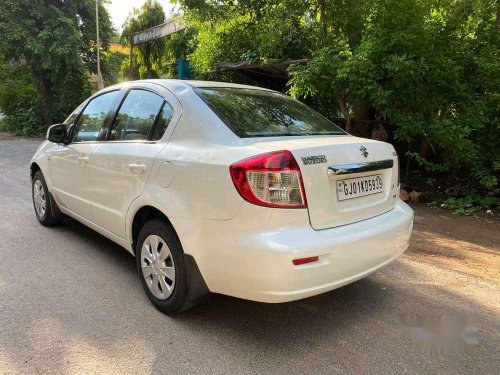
(142, 216)
(197, 287)
(34, 167)
(40, 164)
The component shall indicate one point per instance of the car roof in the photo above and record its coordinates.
(179, 85)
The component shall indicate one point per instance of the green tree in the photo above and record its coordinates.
(428, 67)
(112, 62)
(49, 46)
(431, 68)
(246, 30)
(149, 55)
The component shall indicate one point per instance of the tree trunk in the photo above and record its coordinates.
(363, 116)
(424, 147)
(347, 115)
(362, 119)
(354, 23)
(42, 93)
(322, 15)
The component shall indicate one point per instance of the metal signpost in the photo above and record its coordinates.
(165, 29)
(157, 32)
(100, 83)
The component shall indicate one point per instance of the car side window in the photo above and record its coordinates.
(92, 119)
(163, 120)
(136, 116)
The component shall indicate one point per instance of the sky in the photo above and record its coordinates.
(119, 9)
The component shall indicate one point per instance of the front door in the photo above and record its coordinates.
(120, 166)
(69, 164)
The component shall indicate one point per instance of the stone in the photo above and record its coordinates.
(403, 194)
(415, 196)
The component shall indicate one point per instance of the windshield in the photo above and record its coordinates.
(259, 113)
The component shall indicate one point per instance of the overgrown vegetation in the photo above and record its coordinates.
(428, 68)
(47, 52)
(157, 58)
(147, 56)
(468, 204)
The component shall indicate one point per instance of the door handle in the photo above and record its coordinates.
(137, 168)
(83, 160)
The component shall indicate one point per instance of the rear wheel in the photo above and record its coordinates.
(161, 268)
(46, 214)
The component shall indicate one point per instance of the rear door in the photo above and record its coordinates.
(69, 163)
(121, 165)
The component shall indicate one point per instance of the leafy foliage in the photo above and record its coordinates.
(430, 68)
(157, 58)
(148, 55)
(247, 29)
(111, 66)
(470, 203)
(48, 49)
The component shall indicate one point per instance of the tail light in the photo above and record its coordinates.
(270, 180)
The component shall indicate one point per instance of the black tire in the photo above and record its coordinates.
(51, 216)
(178, 299)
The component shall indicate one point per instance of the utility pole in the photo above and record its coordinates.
(100, 83)
(130, 60)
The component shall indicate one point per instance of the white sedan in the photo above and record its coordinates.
(223, 188)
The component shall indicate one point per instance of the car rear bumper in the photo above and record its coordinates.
(257, 265)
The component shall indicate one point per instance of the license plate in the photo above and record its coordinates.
(359, 187)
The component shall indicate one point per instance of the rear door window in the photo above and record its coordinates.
(92, 119)
(136, 116)
(163, 120)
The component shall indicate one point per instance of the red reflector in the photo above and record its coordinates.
(300, 261)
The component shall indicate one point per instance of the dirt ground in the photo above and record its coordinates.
(466, 244)
(466, 248)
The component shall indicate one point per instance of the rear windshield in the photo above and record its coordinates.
(259, 113)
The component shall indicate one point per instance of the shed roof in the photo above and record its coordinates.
(272, 73)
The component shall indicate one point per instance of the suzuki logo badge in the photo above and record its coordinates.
(364, 152)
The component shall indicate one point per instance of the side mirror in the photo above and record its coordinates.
(57, 133)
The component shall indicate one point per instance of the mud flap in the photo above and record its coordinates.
(197, 288)
(54, 208)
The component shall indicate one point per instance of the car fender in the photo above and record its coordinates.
(41, 158)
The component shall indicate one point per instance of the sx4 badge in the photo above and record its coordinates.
(314, 159)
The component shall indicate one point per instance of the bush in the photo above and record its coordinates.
(47, 52)
(470, 203)
(429, 69)
(111, 66)
(19, 103)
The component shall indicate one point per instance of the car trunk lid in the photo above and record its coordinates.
(346, 179)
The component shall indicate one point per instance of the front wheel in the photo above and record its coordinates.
(45, 213)
(161, 267)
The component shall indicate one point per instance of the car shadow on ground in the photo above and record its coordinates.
(333, 313)
(245, 312)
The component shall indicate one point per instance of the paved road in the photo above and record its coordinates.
(70, 302)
